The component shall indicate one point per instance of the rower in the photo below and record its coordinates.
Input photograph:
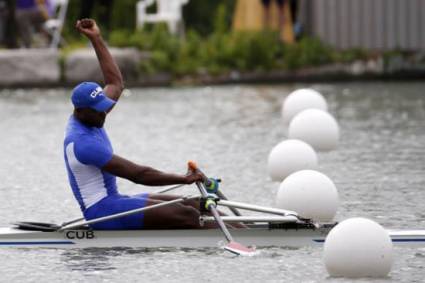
(93, 167)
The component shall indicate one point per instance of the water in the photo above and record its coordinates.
(378, 170)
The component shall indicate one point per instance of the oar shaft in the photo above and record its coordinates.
(220, 223)
(169, 189)
(72, 221)
(215, 214)
(126, 213)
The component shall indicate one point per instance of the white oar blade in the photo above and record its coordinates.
(239, 249)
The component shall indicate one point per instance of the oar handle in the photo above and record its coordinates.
(194, 167)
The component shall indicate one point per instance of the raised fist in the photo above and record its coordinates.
(88, 27)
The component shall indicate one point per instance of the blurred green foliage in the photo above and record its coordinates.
(209, 46)
(198, 15)
(350, 55)
(306, 52)
(219, 52)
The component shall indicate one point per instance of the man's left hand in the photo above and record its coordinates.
(193, 177)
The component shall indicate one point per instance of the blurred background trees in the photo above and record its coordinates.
(198, 15)
(209, 47)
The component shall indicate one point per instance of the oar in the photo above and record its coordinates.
(231, 246)
(219, 193)
(72, 221)
(161, 191)
(125, 213)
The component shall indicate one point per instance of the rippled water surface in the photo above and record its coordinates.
(378, 169)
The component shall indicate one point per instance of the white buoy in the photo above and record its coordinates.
(317, 128)
(310, 193)
(358, 247)
(302, 99)
(288, 157)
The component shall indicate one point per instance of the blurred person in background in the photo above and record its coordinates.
(288, 18)
(7, 24)
(298, 29)
(3, 18)
(30, 17)
(267, 13)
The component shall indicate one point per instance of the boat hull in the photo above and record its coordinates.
(259, 237)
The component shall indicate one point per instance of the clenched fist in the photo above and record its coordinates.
(88, 27)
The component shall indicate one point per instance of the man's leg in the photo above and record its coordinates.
(11, 28)
(195, 204)
(37, 19)
(174, 216)
(191, 202)
(281, 7)
(24, 27)
(266, 13)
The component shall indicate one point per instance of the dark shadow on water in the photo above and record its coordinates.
(100, 259)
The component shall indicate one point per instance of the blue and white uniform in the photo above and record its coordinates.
(86, 151)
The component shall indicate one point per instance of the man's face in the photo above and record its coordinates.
(91, 117)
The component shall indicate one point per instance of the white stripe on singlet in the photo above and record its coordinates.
(89, 179)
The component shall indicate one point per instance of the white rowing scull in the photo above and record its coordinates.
(260, 234)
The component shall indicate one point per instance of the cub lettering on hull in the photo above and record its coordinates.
(80, 235)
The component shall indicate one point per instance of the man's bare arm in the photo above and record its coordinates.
(145, 175)
(111, 73)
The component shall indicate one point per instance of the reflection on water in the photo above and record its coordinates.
(378, 170)
(90, 259)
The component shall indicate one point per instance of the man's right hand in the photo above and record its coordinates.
(88, 27)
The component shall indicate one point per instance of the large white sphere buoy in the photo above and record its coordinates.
(358, 247)
(302, 99)
(310, 193)
(316, 127)
(288, 157)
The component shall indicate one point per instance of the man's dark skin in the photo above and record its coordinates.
(176, 216)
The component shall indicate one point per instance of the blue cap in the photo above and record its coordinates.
(91, 95)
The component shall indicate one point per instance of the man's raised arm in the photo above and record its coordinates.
(111, 73)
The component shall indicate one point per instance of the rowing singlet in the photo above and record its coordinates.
(86, 151)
